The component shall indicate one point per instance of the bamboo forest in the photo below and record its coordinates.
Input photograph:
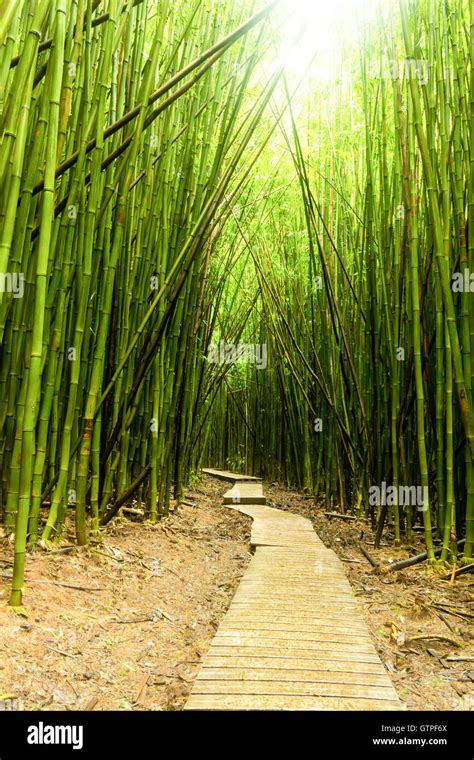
(236, 371)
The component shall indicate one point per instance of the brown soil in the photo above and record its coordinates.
(123, 624)
(416, 619)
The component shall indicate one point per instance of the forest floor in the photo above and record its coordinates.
(124, 624)
(417, 620)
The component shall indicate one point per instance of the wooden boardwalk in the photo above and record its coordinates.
(232, 476)
(293, 637)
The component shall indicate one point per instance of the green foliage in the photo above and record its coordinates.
(369, 349)
(123, 129)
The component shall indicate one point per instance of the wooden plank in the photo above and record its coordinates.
(314, 587)
(284, 538)
(309, 566)
(304, 561)
(262, 674)
(307, 563)
(276, 596)
(266, 523)
(312, 592)
(258, 620)
(282, 702)
(296, 688)
(284, 531)
(332, 641)
(307, 575)
(262, 618)
(276, 517)
(330, 582)
(324, 583)
(326, 612)
(249, 626)
(337, 611)
(347, 612)
(272, 608)
(284, 602)
(327, 607)
(293, 663)
(287, 552)
(314, 568)
(280, 525)
(231, 476)
(290, 584)
(269, 541)
(283, 554)
(334, 591)
(324, 652)
(252, 591)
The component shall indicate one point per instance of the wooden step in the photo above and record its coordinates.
(233, 477)
(245, 493)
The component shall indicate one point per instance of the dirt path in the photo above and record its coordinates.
(123, 625)
(135, 614)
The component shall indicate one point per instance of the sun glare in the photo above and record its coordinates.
(312, 28)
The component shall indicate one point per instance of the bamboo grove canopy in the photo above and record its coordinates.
(168, 183)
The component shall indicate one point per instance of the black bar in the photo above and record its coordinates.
(133, 735)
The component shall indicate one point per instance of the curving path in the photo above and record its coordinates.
(293, 637)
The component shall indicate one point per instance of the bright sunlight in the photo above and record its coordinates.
(313, 29)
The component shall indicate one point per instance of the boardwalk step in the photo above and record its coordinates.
(231, 476)
(245, 493)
